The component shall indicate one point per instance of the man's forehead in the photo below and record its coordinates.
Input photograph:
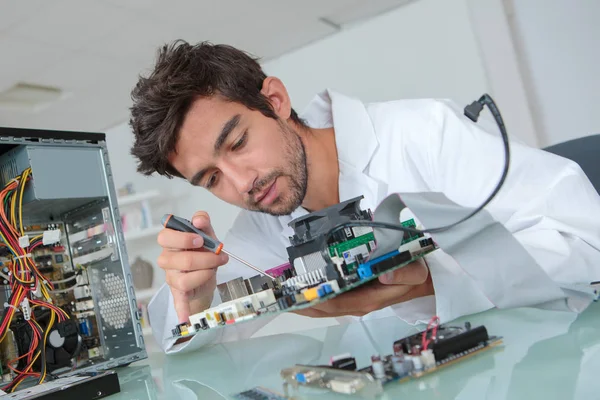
(200, 129)
(207, 115)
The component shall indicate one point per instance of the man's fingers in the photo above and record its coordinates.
(172, 239)
(364, 300)
(187, 281)
(354, 303)
(182, 305)
(414, 273)
(201, 220)
(190, 260)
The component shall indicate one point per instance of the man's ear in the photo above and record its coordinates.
(274, 90)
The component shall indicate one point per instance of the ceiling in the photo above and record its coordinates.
(94, 50)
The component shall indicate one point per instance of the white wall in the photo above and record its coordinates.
(559, 43)
(424, 49)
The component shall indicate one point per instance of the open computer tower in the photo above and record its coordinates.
(59, 203)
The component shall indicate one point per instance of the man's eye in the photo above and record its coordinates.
(212, 180)
(240, 142)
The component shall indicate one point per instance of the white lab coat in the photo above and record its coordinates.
(405, 146)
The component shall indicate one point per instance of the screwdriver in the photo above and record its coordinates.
(171, 221)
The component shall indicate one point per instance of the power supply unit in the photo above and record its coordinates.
(65, 282)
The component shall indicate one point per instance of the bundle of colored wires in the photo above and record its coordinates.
(24, 280)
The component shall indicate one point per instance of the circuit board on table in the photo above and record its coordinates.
(321, 267)
(412, 358)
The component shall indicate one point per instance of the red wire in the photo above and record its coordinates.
(424, 341)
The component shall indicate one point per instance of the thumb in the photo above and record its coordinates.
(414, 273)
(182, 305)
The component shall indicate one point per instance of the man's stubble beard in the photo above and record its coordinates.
(296, 173)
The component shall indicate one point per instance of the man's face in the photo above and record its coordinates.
(242, 156)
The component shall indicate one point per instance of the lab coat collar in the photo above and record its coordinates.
(355, 141)
(355, 138)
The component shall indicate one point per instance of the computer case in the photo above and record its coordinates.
(71, 189)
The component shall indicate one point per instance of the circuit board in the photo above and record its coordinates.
(413, 358)
(321, 267)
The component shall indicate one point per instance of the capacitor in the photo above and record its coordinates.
(378, 367)
(398, 365)
(408, 364)
(203, 323)
(418, 364)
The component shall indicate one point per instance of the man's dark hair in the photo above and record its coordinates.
(182, 74)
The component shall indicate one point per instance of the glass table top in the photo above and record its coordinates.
(546, 355)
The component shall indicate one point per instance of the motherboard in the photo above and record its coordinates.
(413, 357)
(323, 263)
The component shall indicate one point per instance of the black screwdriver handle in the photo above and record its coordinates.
(176, 223)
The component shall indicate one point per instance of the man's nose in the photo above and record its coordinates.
(243, 178)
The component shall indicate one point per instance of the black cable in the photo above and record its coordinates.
(472, 111)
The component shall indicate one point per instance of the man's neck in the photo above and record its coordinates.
(323, 168)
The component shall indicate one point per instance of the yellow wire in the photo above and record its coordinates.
(23, 183)
(48, 328)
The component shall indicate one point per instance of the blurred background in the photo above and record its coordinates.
(71, 64)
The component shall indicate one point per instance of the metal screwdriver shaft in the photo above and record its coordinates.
(171, 221)
(246, 263)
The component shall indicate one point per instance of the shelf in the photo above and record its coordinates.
(143, 233)
(145, 294)
(137, 197)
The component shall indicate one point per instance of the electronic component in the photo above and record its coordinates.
(413, 357)
(66, 296)
(343, 361)
(319, 269)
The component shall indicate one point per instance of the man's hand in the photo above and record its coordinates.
(191, 271)
(404, 284)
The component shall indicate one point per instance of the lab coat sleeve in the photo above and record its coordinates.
(241, 239)
(547, 202)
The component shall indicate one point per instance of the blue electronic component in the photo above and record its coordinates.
(327, 288)
(300, 378)
(321, 291)
(85, 327)
(365, 271)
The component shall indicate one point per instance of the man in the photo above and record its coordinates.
(209, 114)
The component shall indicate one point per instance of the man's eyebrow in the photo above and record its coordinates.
(227, 129)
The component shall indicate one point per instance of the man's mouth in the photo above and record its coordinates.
(267, 192)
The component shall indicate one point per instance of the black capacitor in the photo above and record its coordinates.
(203, 323)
